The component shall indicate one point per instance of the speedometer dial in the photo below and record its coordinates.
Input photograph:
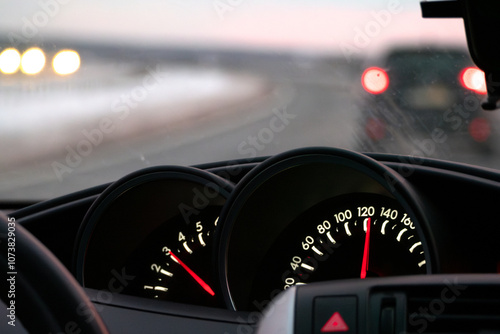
(352, 236)
(319, 214)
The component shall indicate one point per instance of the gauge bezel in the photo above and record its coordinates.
(132, 182)
(266, 173)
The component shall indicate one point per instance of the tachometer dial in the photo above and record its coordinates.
(151, 234)
(175, 264)
(354, 236)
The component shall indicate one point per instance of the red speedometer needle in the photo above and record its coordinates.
(366, 251)
(196, 277)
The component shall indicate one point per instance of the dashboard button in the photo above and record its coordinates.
(335, 314)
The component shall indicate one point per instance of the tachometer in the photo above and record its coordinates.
(151, 234)
(174, 262)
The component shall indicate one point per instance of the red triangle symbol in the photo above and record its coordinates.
(335, 324)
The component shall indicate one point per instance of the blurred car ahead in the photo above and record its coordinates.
(424, 92)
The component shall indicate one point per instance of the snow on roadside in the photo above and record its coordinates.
(36, 125)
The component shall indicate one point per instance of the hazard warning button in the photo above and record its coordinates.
(335, 314)
(335, 324)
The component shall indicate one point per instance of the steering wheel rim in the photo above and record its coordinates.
(46, 297)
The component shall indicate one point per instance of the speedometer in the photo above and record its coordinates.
(319, 214)
(350, 236)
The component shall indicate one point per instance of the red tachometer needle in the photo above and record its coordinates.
(196, 277)
(366, 251)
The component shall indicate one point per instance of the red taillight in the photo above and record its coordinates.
(479, 129)
(473, 78)
(375, 129)
(375, 80)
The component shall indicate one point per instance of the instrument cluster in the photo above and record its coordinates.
(319, 214)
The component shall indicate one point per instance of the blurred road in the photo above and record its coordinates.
(194, 114)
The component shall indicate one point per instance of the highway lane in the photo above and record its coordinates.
(304, 102)
(312, 103)
(298, 112)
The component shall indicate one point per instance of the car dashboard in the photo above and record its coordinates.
(206, 248)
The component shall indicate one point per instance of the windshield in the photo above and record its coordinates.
(93, 90)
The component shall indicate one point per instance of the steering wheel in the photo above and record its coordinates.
(38, 289)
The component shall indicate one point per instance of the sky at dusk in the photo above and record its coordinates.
(314, 25)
